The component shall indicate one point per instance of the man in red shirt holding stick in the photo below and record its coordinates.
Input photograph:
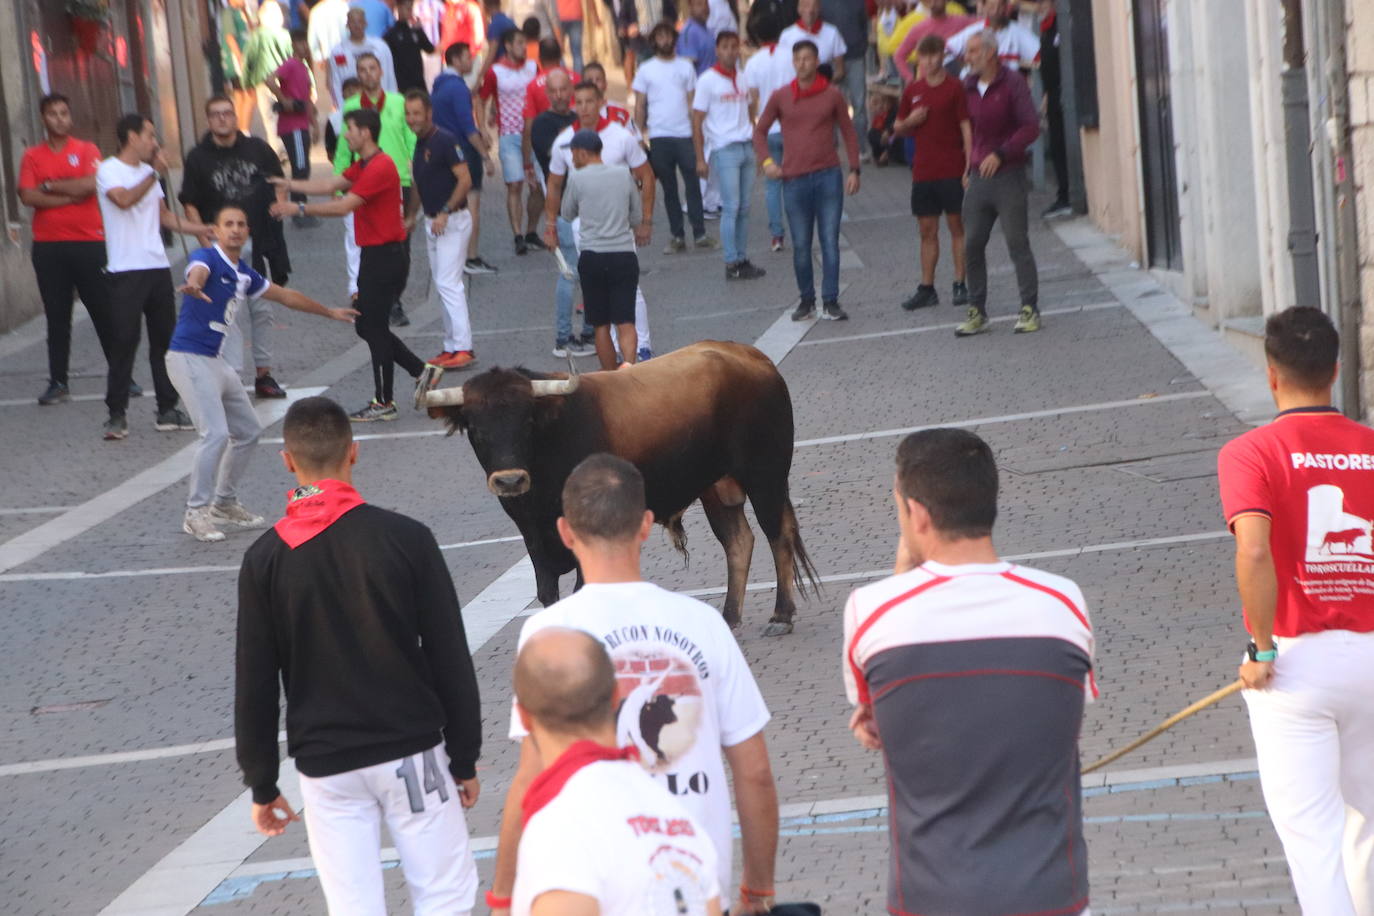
(1298, 494)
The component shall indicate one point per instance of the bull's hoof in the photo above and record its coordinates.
(778, 628)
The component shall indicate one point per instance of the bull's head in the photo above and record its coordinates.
(497, 411)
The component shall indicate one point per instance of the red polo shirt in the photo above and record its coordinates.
(1311, 473)
(378, 220)
(78, 222)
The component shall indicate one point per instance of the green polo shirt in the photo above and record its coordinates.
(397, 140)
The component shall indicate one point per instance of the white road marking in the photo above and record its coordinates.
(830, 806)
(80, 519)
(33, 402)
(37, 510)
(788, 332)
(492, 609)
(192, 570)
(1008, 418)
(183, 878)
(926, 329)
(1014, 558)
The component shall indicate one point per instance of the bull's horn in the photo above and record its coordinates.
(543, 388)
(444, 397)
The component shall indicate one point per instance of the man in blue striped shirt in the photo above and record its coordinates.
(452, 101)
(218, 285)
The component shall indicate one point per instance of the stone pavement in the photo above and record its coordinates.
(117, 632)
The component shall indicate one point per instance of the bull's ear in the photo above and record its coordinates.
(452, 417)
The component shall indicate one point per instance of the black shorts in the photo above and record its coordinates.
(609, 280)
(931, 198)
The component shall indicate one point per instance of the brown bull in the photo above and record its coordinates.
(712, 421)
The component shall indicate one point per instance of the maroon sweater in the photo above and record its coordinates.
(808, 131)
(1004, 119)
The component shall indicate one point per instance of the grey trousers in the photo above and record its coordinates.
(1003, 195)
(214, 397)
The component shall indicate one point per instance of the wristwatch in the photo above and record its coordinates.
(46, 187)
(1253, 653)
(300, 208)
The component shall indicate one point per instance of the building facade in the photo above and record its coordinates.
(1234, 158)
(135, 60)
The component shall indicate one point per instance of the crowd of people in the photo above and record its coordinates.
(712, 106)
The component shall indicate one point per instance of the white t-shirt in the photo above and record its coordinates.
(720, 18)
(829, 44)
(1016, 46)
(613, 834)
(667, 86)
(343, 63)
(726, 103)
(766, 72)
(618, 147)
(133, 237)
(508, 84)
(684, 690)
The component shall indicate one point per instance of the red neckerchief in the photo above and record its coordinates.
(615, 113)
(546, 786)
(728, 74)
(314, 507)
(771, 46)
(814, 30)
(820, 85)
(368, 103)
(1048, 22)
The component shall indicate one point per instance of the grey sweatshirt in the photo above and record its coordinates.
(608, 202)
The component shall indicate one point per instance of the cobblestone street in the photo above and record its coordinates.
(117, 637)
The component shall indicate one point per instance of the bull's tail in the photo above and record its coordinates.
(804, 575)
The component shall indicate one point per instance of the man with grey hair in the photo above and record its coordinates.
(1005, 124)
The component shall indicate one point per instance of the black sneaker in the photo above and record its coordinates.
(534, 243)
(589, 336)
(831, 311)
(960, 293)
(805, 310)
(135, 390)
(399, 318)
(521, 246)
(743, 270)
(924, 297)
(478, 266)
(116, 427)
(172, 419)
(56, 393)
(266, 387)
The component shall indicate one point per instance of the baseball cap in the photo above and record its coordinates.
(588, 140)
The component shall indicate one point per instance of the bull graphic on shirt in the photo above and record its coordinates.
(1333, 532)
(659, 705)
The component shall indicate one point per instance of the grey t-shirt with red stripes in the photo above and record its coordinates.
(977, 675)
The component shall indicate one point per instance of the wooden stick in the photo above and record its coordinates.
(1167, 724)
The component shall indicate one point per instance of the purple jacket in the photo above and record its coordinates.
(1004, 119)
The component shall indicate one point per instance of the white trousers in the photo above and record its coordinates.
(352, 253)
(418, 799)
(1314, 735)
(212, 394)
(447, 255)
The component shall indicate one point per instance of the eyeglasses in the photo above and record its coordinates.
(221, 113)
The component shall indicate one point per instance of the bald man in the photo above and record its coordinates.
(600, 835)
(706, 713)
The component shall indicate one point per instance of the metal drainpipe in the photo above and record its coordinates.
(1347, 309)
(1302, 219)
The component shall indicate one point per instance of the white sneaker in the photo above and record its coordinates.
(199, 526)
(235, 514)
